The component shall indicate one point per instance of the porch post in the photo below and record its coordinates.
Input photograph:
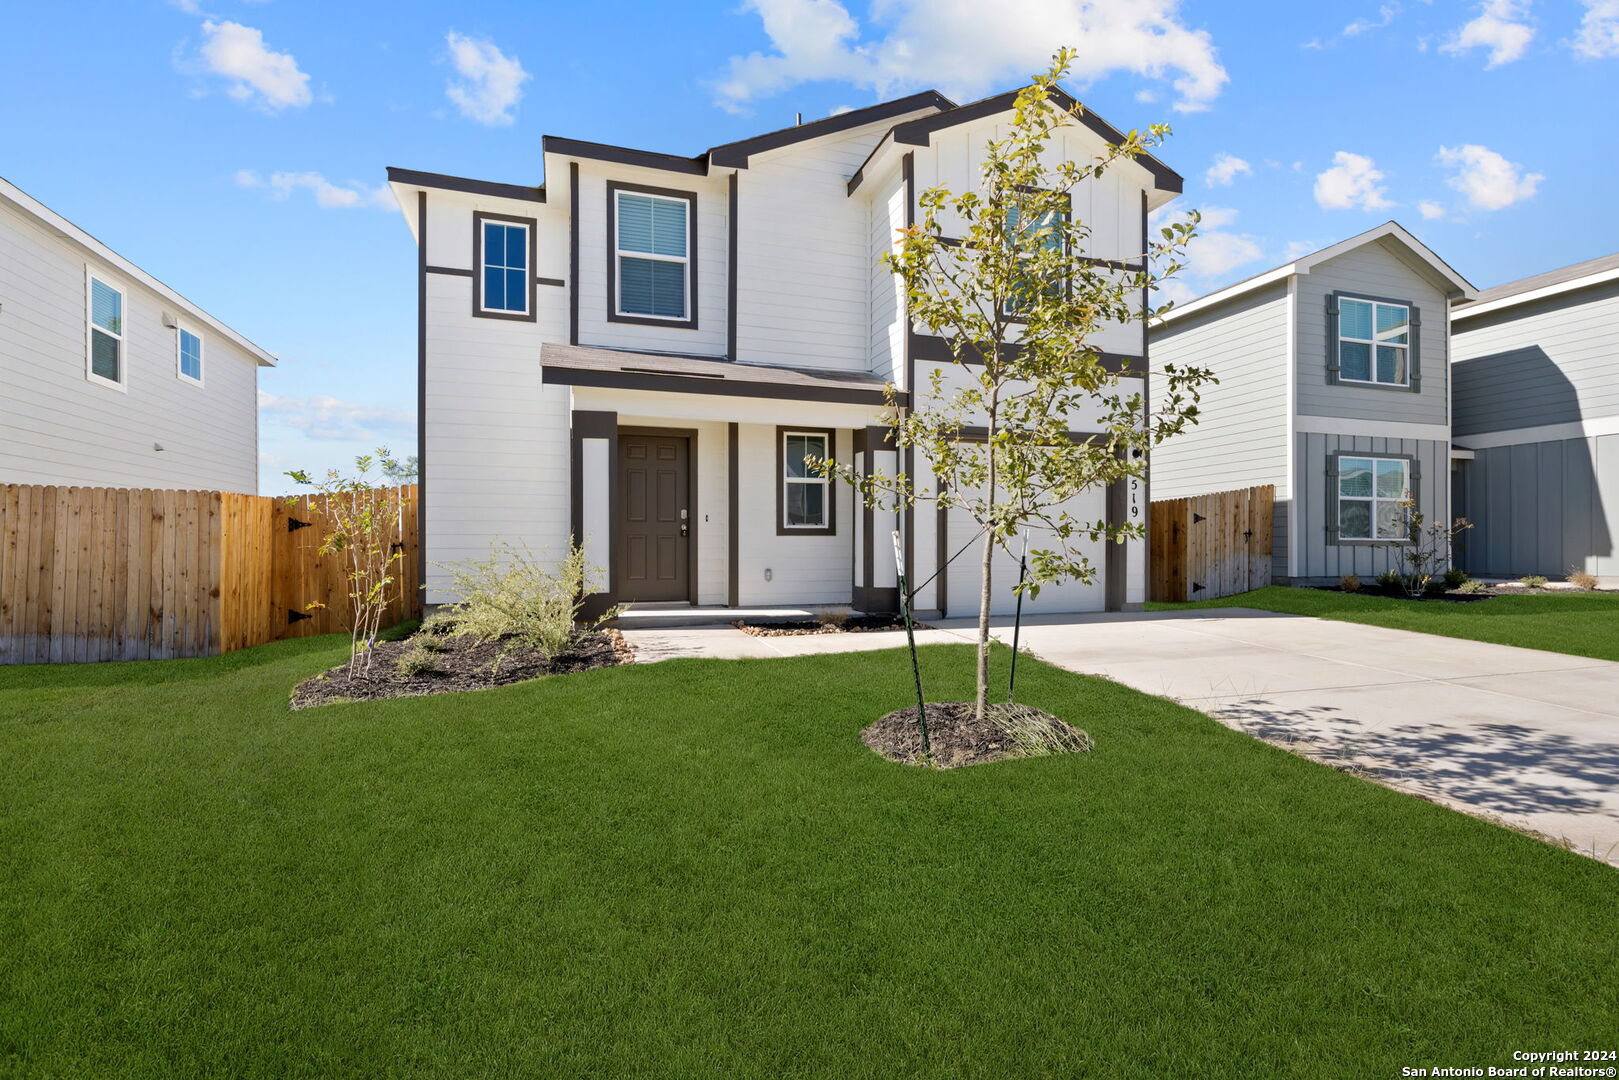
(593, 486)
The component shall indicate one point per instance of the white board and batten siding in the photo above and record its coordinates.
(60, 427)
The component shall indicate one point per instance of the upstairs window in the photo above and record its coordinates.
(804, 502)
(1374, 342)
(105, 333)
(1371, 498)
(1042, 232)
(505, 271)
(190, 356)
(654, 269)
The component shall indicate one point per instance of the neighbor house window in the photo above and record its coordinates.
(1044, 232)
(504, 274)
(105, 330)
(1371, 498)
(1374, 342)
(805, 502)
(190, 353)
(653, 266)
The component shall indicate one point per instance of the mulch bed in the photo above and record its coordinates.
(957, 738)
(457, 664)
(854, 624)
(1450, 596)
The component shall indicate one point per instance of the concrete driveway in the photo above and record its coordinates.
(1531, 737)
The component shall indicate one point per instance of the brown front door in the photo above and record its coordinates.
(654, 525)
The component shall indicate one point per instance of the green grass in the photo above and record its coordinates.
(1583, 624)
(694, 868)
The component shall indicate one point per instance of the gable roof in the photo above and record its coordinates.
(56, 223)
(1539, 286)
(1389, 230)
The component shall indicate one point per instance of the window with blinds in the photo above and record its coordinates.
(652, 246)
(105, 333)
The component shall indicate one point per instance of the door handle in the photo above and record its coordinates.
(683, 529)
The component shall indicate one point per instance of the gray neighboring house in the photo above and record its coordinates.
(1334, 387)
(1536, 370)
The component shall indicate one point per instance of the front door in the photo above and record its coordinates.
(654, 526)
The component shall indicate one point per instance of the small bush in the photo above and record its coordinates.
(413, 662)
(1582, 580)
(1455, 579)
(1471, 586)
(1434, 588)
(1390, 579)
(833, 620)
(1349, 583)
(510, 595)
(1532, 581)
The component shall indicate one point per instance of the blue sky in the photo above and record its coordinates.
(235, 149)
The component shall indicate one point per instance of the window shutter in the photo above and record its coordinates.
(1332, 497)
(1414, 353)
(1332, 339)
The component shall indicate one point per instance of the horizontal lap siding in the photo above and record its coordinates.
(1240, 439)
(1373, 270)
(1553, 361)
(1543, 508)
(1320, 559)
(803, 569)
(57, 427)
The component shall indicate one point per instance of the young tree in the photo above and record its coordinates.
(1001, 274)
(364, 521)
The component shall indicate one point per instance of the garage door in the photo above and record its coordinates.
(1055, 597)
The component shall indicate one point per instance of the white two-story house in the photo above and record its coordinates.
(109, 377)
(642, 352)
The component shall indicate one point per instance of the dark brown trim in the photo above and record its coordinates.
(1146, 405)
(697, 384)
(1116, 559)
(933, 349)
(730, 273)
(461, 183)
(689, 323)
(735, 155)
(919, 132)
(831, 526)
(554, 281)
(908, 512)
(941, 557)
(589, 424)
(421, 385)
(573, 253)
(733, 516)
(622, 155)
(453, 271)
(977, 434)
(478, 312)
(692, 469)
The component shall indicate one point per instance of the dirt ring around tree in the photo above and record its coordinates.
(956, 737)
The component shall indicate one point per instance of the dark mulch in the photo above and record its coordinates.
(854, 624)
(1450, 596)
(457, 664)
(957, 738)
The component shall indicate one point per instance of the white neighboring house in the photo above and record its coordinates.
(108, 377)
(641, 352)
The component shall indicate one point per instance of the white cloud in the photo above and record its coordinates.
(1146, 97)
(1385, 15)
(255, 73)
(1489, 181)
(1431, 211)
(329, 418)
(1215, 251)
(970, 48)
(328, 196)
(490, 84)
(1297, 248)
(1501, 26)
(1225, 169)
(1599, 30)
(1353, 181)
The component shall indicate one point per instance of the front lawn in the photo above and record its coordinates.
(694, 868)
(1582, 624)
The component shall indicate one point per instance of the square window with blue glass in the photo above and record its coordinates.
(505, 267)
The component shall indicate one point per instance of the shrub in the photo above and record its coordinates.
(509, 595)
(1532, 581)
(1455, 579)
(1582, 580)
(1349, 583)
(833, 620)
(1471, 586)
(1390, 579)
(414, 661)
(1427, 547)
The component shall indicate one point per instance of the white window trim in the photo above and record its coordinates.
(823, 482)
(619, 255)
(122, 383)
(179, 356)
(1374, 499)
(528, 274)
(1373, 342)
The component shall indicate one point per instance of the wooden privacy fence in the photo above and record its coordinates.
(1208, 546)
(134, 574)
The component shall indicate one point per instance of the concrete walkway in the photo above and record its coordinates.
(1528, 736)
